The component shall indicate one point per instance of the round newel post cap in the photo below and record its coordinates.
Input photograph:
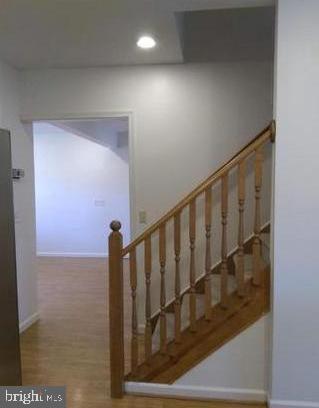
(115, 225)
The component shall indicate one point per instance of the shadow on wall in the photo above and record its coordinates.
(109, 132)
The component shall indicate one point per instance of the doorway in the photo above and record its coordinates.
(82, 183)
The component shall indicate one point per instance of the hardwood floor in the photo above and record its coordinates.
(69, 345)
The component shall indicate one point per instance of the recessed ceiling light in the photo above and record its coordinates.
(146, 42)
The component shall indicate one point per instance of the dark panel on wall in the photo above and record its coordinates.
(10, 370)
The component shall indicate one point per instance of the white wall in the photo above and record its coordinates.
(237, 371)
(22, 152)
(188, 119)
(81, 186)
(295, 355)
(245, 354)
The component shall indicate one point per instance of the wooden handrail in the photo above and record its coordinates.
(266, 134)
(196, 285)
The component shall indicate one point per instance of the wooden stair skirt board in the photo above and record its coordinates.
(225, 324)
(215, 307)
(196, 392)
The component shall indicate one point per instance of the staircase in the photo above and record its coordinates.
(213, 306)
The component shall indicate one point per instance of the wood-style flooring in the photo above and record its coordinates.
(69, 345)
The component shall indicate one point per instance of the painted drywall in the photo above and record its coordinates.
(295, 351)
(22, 157)
(245, 354)
(186, 121)
(81, 186)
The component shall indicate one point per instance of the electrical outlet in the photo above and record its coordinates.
(142, 217)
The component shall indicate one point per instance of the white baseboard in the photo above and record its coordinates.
(195, 392)
(73, 254)
(292, 404)
(29, 322)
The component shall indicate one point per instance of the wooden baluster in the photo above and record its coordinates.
(116, 320)
(162, 259)
(148, 326)
(134, 339)
(240, 271)
(192, 272)
(208, 257)
(256, 243)
(224, 264)
(177, 250)
(273, 131)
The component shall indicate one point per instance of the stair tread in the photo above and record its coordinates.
(200, 300)
(215, 293)
(241, 312)
(170, 317)
(265, 238)
(200, 308)
(248, 264)
(212, 342)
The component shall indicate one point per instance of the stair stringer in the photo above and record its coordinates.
(236, 323)
(238, 371)
(210, 336)
(215, 270)
(241, 363)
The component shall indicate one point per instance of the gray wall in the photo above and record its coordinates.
(295, 355)
(22, 157)
(186, 121)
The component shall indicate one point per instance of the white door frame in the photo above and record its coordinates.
(131, 139)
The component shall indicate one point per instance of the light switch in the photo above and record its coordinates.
(142, 217)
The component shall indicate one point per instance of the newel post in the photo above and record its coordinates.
(116, 310)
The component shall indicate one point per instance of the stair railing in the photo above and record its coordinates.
(117, 253)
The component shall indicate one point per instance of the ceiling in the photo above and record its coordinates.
(108, 132)
(229, 35)
(90, 33)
